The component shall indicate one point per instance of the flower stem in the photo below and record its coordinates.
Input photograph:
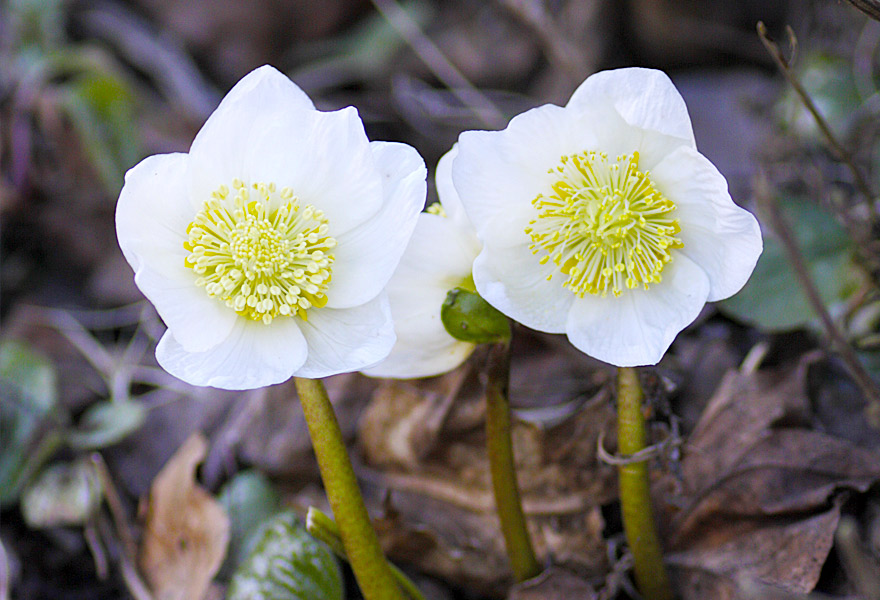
(322, 527)
(500, 450)
(358, 537)
(635, 497)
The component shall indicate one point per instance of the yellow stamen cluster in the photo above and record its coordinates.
(604, 224)
(436, 209)
(260, 252)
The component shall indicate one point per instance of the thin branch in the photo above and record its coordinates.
(567, 56)
(444, 70)
(780, 226)
(869, 7)
(842, 154)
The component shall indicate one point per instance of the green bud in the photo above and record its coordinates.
(469, 318)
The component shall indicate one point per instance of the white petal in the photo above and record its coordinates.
(151, 220)
(153, 209)
(346, 340)
(497, 169)
(722, 238)
(638, 327)
(257, 99)
(513, 281)
(198, 321)
(446, 191)
(441, 252)
(324, 157)
(268, 90)
(439, 257)
(327, 160)
(646, 98)
(414, 357)
(423, 347)
(252, 356)
(367, 256)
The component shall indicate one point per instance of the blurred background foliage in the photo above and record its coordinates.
(88, 88)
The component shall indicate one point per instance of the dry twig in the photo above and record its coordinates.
(780, 226)
(435, 60)
(841, 152)
(869, 7)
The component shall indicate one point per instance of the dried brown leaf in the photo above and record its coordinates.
(270, 430)
(761, 490)
(186, 531)
(424, 444)
(553, 584)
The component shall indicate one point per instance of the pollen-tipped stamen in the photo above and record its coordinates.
(260, 251)
(604, 224)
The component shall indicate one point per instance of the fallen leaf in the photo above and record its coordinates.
(553, 584)
(761, 490)
(186, 530)
(423, 445)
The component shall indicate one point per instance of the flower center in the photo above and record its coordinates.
(604, 224)
(260, 251)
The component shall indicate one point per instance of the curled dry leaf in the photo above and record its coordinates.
(761, 490)
(186, 529)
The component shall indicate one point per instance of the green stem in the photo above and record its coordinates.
(358, 537)
(323, 528)
(500, 450)
(635, 497)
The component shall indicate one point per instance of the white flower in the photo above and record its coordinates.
(601, 220)
(439, 257)
(266, 249)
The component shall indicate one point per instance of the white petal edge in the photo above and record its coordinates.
(414, 358)
(198, 321)
(347, 340)
(497, 169)
(151, 220)
(646, 98)
(637, 328)
(446, 191)
(722, 238)
(253, 355)
(153, 210)
(367, 256)
(512, 280)
(438, 258)
(423, 348)
(326, 159)
(263, 92)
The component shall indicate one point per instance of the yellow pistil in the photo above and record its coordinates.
(604, 224)
(261, 252)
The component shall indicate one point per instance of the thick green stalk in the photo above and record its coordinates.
(500, 450)
(358, 537)
(635, 497)
(321, 527)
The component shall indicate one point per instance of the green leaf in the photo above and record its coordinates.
(829, 82)
(469, 318)
(27, 402)
(63, 494)
(286, 564)
(773, 300)
(101, 108)
(249, 499)
(38, 23)
(106, 423)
